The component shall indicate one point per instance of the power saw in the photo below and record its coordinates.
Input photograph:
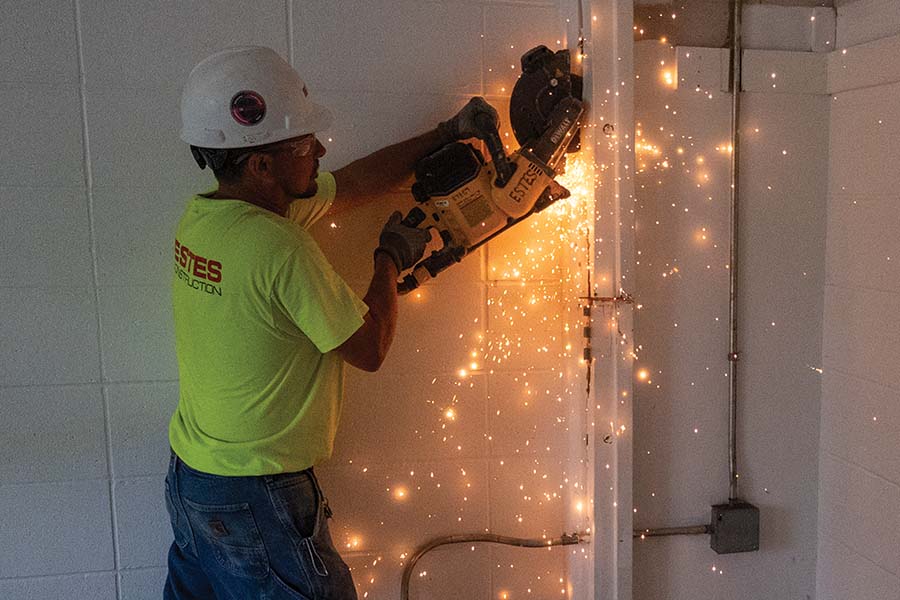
(470, 201)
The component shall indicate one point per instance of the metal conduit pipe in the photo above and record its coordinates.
(666, 531)
(564, 540)
(733, 354)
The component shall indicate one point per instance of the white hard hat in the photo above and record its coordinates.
(247, 96)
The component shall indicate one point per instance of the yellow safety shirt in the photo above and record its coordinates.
(258, 314)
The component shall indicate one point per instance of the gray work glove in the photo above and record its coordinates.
(405, 245)
(465, 124)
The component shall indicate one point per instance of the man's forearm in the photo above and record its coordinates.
(384, 171)
(387, 169)
(381, 298)
(367, 348)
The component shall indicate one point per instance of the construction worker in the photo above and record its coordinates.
(263, 327)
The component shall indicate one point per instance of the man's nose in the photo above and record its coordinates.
(320, 149)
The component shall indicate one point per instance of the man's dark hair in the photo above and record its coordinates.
(226, 164)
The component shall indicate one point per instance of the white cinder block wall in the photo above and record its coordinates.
(681, 395)
(859, 488)
(92, 181)
(829, 483)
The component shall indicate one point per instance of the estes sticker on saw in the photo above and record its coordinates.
(470, 201)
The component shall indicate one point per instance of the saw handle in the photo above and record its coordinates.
(491, 137)
(434, 263)
(419, 275)
(430, 267)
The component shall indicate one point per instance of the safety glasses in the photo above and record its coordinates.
(298, 148)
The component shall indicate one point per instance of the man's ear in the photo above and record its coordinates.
(259, 164)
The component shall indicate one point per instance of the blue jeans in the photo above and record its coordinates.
(241, 538)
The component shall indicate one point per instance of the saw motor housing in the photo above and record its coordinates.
(469, 200)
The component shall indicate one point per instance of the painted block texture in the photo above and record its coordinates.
(530, 572)
(138, 334)
(859, 489)
(681, 328)
(842, 573)
(393, 507)
(857, 508)
(155, 44)
(46, 238)
(54, 528)
(50, 336)
(681, 234)
(144, 530)
(672, 565)
(860, 421)
(798, 28)
(862, 21)
(68, 437)
(389, 46)
(48, 117)
(139, 427)
(865, 65)
(142, 584)
(134, 231)
(441, 417)
(149, 176)
(97, 586)
(782, 72)
(508, 33)
(456, 571)
(37, 42)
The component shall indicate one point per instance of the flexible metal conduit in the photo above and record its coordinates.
(737, 7)
(564, 540)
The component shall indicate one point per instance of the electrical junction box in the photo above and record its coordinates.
(735, 528)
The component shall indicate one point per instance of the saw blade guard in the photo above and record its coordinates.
(546, 79)
(550, 148)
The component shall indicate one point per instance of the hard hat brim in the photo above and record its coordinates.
(316, 120)
(319, 120)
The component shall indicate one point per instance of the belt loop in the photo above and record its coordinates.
(315, 481)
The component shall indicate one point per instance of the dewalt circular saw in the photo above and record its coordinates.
(468, 200)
